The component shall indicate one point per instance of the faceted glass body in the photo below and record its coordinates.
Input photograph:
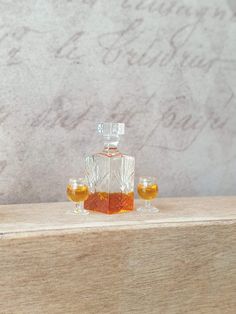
(111, 181)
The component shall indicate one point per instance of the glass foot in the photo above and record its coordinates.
(150, 209)
(81, 212)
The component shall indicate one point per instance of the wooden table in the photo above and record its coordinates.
(181, 260)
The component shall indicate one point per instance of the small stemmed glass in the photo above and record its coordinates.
(77, 192)
(147, 190)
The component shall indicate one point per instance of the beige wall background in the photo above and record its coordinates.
(165, 68)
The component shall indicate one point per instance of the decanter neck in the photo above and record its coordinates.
(111, 144)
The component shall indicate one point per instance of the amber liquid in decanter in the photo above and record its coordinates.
(110, 203)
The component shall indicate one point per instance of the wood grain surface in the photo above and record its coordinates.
(181, 260)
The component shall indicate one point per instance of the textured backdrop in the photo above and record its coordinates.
(165, 68)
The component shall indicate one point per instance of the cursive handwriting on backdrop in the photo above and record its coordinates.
(134, 44)
(178, 47)
(180, 126)
(12, 41)
(176, 125)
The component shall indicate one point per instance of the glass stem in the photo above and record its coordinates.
(147, 203)
(79, 207)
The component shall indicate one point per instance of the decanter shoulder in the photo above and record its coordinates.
(108, 155)
(128, 157)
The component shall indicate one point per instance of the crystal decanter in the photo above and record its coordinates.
(110, 174)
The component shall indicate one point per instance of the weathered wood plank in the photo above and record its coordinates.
(181, 260)
(59, 216)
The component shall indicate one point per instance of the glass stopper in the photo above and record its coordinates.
(111, 129)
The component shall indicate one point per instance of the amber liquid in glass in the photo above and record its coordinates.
(148, 192)
(110, 203)
(78, 194)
